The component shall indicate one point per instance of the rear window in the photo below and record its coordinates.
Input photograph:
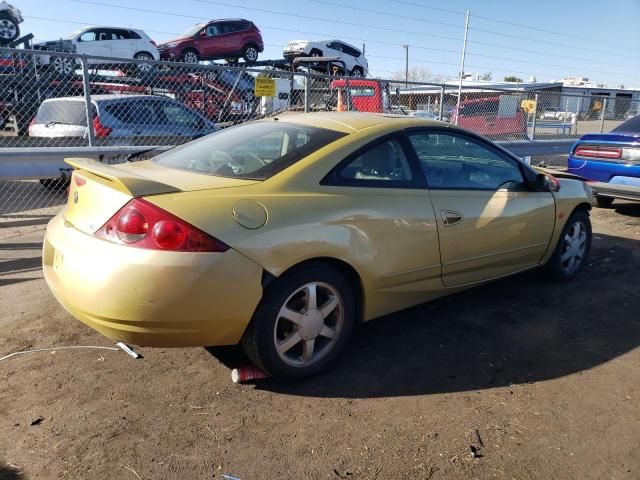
(62, 112)
(631, 126)
(255, 151)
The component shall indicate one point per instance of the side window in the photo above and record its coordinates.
(89, 36)
(120, 34)
(103, 35)
(143, 112)
(175, 114)
(334, 46)
(121, 111)
(133, 35)
(214, 29)
(351, 51)
(384, 162)
(452, 161)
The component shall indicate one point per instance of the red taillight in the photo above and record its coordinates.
(153, 42)
(100, 130)
(132, 226)
(141, 224)
(79, 180)
(169, 235)
(595, 151)
(31, 124)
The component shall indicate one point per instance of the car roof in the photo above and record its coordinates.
(228, 20)
(349, 122)
(90, 27)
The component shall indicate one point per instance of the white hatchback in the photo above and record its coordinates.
(112, 42)
(355, 62)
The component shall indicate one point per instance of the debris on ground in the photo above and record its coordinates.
(37, 421)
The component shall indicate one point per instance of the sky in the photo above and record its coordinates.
(545, 39)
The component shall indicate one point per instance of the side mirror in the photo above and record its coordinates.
(203, 33)
(546, 183)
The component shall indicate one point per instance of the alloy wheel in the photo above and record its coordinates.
(190, 57)
(62, 65)
(251, 54)
(574, 247)
(7, 29)
(144, 67)
(308, 324)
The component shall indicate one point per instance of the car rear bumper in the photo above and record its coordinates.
(613, 190)
(601, 170)
(148, 297)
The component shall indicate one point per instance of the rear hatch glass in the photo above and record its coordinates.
(252, 151)
(66, 112)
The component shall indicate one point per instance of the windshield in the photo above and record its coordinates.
(256, 150)
(193, 30)
(631, 126)
(73, 34)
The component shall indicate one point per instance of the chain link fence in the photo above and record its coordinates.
(59, 100)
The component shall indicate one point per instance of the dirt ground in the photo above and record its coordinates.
(542, 379)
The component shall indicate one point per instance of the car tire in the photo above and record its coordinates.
(250, 53)
(62, 66)
(291, 351)
(9, 29)
(315, 52)
(572, 251)
(190, 56)
(144, 67)
(604, 202)
(357, 72)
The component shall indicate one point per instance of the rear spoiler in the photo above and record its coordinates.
(120, 179)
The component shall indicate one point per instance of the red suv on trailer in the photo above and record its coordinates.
(230, 39)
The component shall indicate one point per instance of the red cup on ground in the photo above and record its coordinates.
(247, 374)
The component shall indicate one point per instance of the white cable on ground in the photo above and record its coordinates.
(58, 348)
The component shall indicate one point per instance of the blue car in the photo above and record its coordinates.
(611, 161)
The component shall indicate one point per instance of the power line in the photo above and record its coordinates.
(88, 2)
(378, 12)
(408, 32)
(513, 24)
(283, 29)
(324, 2)
(320, 19)
(58, 20)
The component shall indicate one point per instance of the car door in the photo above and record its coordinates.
(214, 45)
(390, 223)
(233, 36)
(122, 45)
(490, 223)
(96, 42)
(101, 45)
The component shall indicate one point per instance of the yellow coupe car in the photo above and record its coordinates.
(280, 234)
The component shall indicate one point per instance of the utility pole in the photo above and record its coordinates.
(464, 53)
(406, 66)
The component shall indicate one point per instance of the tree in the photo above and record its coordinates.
(487, 76)
(416, 74)
(512, 78)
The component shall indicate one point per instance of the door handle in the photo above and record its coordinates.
(451, 217)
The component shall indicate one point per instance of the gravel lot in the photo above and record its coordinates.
(542, 379)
